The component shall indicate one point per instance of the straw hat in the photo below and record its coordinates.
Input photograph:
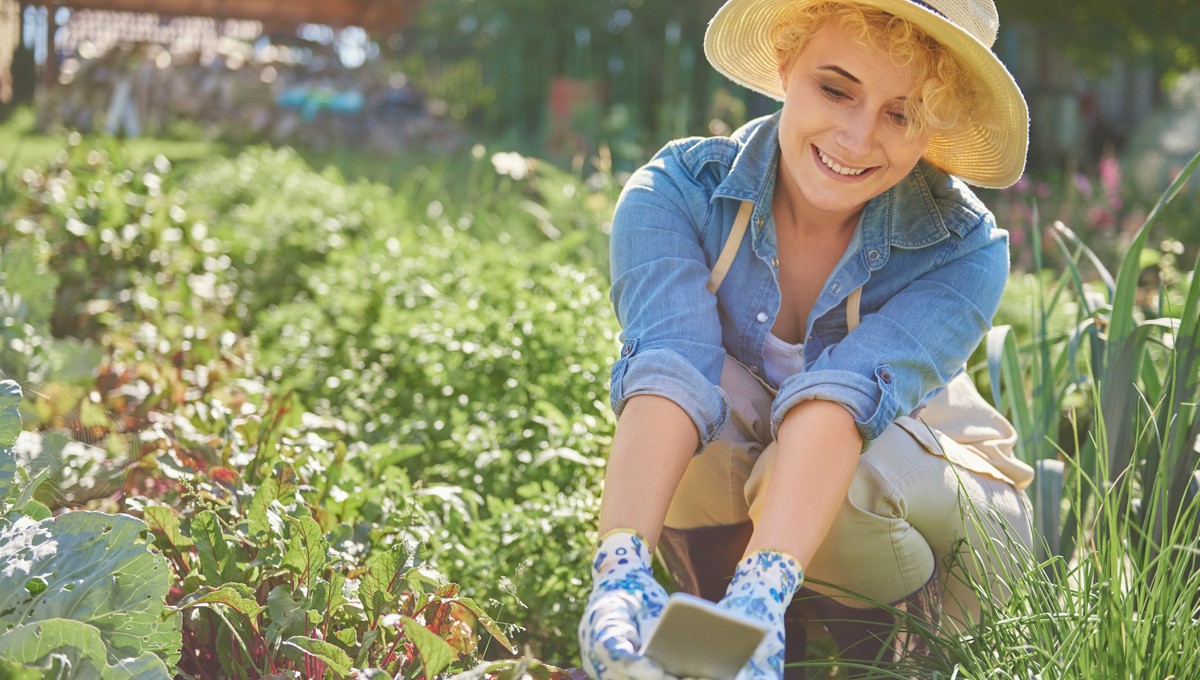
(989, 152)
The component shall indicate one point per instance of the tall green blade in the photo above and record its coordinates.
(1176, 186)
(1119, 393)
(1061, 232)
(1182, 445)
(1121, 397)
(1004, 370)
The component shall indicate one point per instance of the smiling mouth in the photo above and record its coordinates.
(838, 168)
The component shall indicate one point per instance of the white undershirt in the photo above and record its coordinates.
(782, 359)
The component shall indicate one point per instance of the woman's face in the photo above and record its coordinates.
(842, 131)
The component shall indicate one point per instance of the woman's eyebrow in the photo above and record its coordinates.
(841, 72)
(849, 76)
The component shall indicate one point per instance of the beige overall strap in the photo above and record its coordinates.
(852, 303)
(729, 251)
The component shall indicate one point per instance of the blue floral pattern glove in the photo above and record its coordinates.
(762, 588)
(624, 607)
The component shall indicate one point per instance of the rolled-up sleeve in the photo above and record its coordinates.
(914, 343)
(670, 326)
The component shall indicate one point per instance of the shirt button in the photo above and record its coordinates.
(873, 255)
(885, 375)
(775, 262)
(837, 287)
(627, 349)
(762, 317)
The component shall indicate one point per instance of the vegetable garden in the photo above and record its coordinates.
(260, 420)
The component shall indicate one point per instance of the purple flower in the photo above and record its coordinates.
(1083, 184)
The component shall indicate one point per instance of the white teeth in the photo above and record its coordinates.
(834, 166)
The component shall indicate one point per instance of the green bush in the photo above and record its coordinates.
(430, 372)
(270, 215)
(485, 372)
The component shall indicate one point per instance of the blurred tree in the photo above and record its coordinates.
(520, 46)
(1095, 32)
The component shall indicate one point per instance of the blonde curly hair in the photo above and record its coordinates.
(945, 93)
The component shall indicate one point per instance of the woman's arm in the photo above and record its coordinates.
(670, 324)
(654, 440)
(652, 445)
(819, 446)
(912, 344)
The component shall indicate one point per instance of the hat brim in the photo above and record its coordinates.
(988, 152)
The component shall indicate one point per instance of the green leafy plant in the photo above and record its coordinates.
(1142, 366)
(270, 516)
(282, 569)
(81, 593)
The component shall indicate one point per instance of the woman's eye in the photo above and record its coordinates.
(899, 118)
(833, 93)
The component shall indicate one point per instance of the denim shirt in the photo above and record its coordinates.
(928, 255)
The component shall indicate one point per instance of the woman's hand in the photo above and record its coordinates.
(624, 607)
(762, 588)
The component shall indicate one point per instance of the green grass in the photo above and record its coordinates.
(26, 148)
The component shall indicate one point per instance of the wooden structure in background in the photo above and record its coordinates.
(378, 17)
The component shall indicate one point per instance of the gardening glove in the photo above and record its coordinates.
(762, 588)
(624, 607)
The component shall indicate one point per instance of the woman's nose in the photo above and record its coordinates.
(858, 132)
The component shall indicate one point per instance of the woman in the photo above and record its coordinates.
(798, 301)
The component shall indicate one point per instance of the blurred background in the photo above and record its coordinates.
(554, 79)
(278, 262)
(1112, 84)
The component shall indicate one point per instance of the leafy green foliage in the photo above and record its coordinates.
(10, 428)
(299, 216)
(1096, 32)
(82, 593)
(245, 517)
(74, 649)
(269, 569)
(1136, 365)
(118, 589)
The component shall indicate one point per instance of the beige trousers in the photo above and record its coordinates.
(933, 487)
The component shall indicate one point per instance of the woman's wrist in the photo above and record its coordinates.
(620, 550)
(652, 446)
(779, 571)
(620, 530)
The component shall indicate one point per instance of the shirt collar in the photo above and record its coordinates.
(753, 170)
